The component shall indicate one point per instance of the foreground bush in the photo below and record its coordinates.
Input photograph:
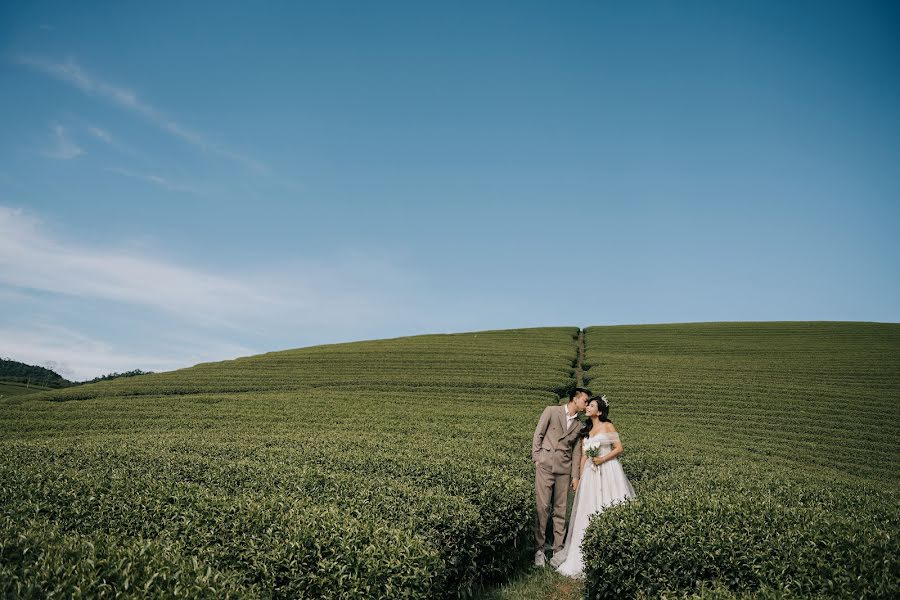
(718, 533)
(764, 456)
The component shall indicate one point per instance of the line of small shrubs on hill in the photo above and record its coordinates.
(186, 388)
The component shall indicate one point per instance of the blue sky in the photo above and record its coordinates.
(183, 182)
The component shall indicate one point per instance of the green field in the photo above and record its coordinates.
(394, 468)
(765, 458)
(8, 389)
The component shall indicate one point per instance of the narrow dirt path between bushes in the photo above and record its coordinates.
(546, 583)
(579, 366)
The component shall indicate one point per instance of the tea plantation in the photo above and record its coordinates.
(386, 469)
(766, 458)
(13, 388)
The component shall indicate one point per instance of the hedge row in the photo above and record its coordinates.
(319, 491)
(746, 530)
(764, 456)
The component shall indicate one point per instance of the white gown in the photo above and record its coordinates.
(600, 487)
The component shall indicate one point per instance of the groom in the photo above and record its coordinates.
(555, 440)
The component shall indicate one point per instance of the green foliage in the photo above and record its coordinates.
(14, 371)
(534, 584)
(8, 389)
(32, 378)
(394, 469)
(38, 560)
(486, 363)
(764, 456)
(133, 373)
(745, 529)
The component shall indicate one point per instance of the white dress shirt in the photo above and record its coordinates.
(569, 418)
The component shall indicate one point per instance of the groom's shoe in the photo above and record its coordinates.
(540, 559)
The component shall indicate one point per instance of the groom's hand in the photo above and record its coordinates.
(575, 484)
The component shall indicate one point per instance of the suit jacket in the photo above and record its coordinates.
(553, 446)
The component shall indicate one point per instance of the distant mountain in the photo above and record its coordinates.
(14, 371)
(11, 370)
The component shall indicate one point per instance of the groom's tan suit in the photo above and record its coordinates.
(552, 449)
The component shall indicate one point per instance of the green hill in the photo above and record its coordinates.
(12, 388)
(819, 397)
(764, 456)
(12, 371)
(378, 469)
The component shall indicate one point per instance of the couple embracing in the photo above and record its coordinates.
(567, 452)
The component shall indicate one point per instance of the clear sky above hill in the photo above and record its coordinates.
(194, 181)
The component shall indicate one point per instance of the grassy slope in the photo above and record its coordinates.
(820, 397)
(394, 466)
(814, 405)
(764, 455)
(9, 389)
(817, 401)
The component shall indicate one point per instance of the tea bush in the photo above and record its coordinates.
(764, 456)
(391, 469)
(745, 530)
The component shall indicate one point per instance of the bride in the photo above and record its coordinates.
(603, 483)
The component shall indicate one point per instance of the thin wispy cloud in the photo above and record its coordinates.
(102, 134)
(63, 147)
(156, 180)
(185, 314)
(79, 356)
(72, 73)
(345, 290)
(30, 258)
(70, 353)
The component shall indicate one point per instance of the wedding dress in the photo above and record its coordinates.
(600, 487)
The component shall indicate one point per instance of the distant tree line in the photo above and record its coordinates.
(11, 370)
(133, 373)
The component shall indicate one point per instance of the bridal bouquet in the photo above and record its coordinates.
(592, 451)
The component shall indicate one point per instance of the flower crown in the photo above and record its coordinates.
(604, 400)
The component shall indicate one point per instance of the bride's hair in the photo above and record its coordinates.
(603, 405)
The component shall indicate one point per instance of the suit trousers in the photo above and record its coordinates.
(550, 490)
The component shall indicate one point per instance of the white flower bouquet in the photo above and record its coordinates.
(592, 451)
